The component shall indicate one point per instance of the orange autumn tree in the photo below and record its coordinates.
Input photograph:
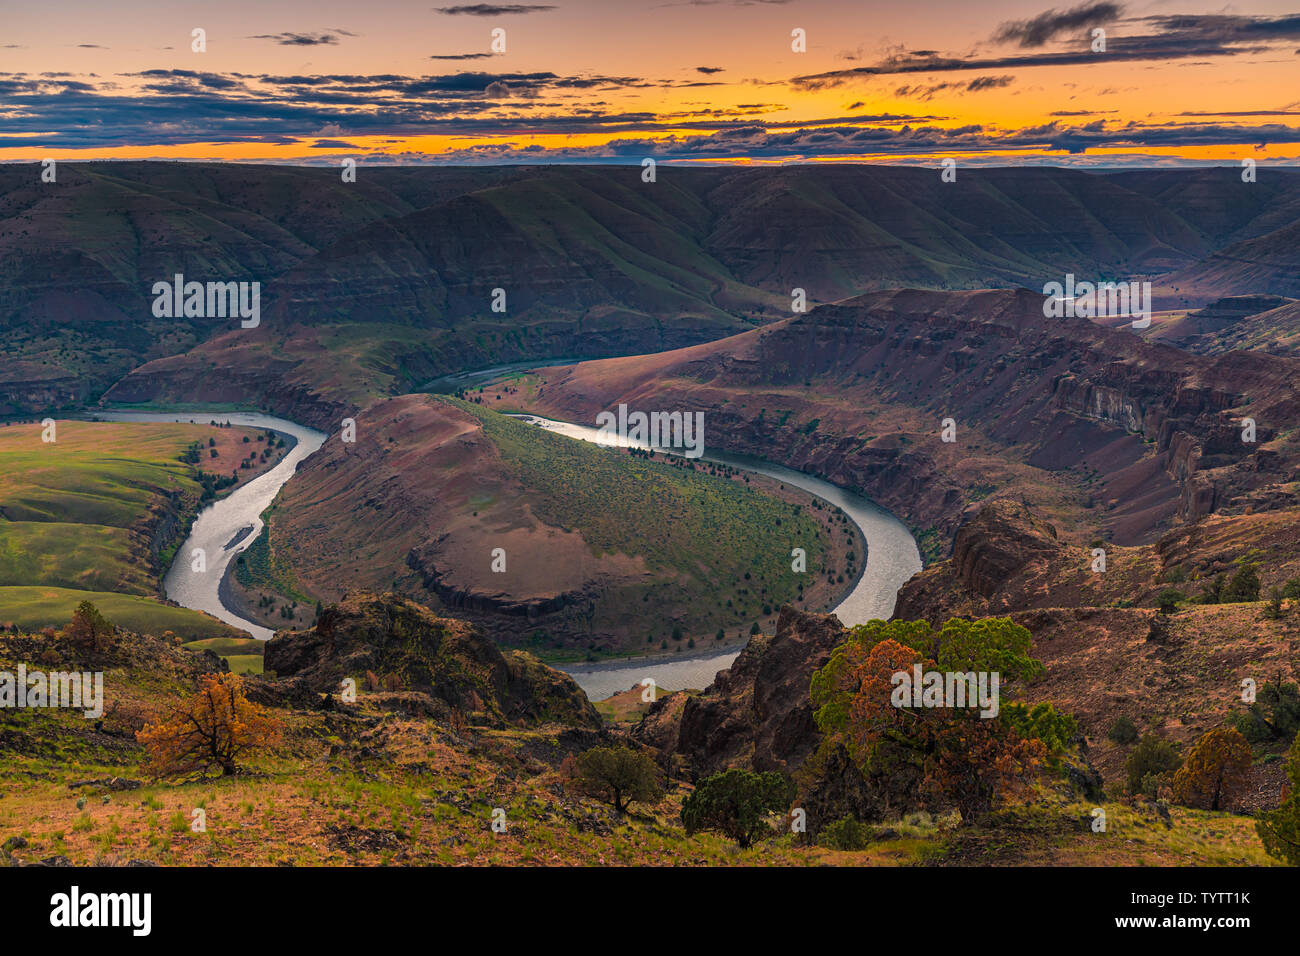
(213, 730)
(958, 757)
(1214, 773)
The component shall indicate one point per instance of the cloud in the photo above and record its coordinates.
(758, 143)
(162, 108)
(708, 69)
(989, 83)
(1169, 38)
(493, 9)
(1046, 27)
(461, 56)
(303, 39)
(928, 92)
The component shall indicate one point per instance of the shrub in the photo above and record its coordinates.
(1244, 585)
(1152, 755)
(846, 834)
(619, 775)
(1169, 599)
(1279, 830)
(1156, 786)
(1273, 610)
(1122, 731)
(89, 631)
(1212, 592)
(1214, 772)
(1042, 722)
(213, 730)
(1274, 715)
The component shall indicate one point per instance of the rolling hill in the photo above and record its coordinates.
(603, 552)
(373, 287)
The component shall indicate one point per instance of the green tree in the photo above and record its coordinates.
(1279, 830)
(1274, 608)
(89, 631)
(1215, 770)
(736, 802)
(1244, 585)
(957, 756)
(619, 775)
(1213, 591)
(1042, 722)
(1168, 600)
(1274, 715)
(1122, 731)
(1152, 755)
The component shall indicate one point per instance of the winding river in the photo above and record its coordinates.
(892, 558)
(229, 525)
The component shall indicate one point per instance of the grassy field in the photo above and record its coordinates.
(34, 607)
(368, 784)
(96, 515)
(243, 654)
(259, 566)
(421, 795)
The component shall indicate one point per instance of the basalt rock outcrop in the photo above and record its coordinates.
(997, 557)
(756, 714)
(407, 647)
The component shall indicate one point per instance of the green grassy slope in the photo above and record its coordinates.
(720, 540)
(94, 516)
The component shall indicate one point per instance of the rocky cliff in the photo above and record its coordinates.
(406, 647)
(1097, 430)
(756, 714)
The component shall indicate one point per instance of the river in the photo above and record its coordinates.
(229, 525)
(892, 558)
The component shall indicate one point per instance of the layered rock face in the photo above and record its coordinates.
(757, 714)
(408, 647)
(1085, 423)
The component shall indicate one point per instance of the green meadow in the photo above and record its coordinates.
(34, 607)
(243, 654)
(91, 516)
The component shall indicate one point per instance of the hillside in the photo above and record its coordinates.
(1097, 431)
(373, 287)
(99, 513)
(1266, 263)
(603, 552)
(416, 774)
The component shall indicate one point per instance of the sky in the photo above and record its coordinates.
(1004, 82)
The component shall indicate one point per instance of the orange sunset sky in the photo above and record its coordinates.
(709, 81)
